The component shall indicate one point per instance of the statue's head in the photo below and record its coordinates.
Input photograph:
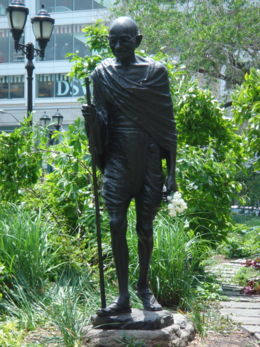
(124, 38)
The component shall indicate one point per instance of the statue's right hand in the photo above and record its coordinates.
(88, 112)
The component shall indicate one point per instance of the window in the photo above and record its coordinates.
(66, 39)
(57, 85)
(7, 51)
(71, 5)
(12, 87)
(3, 6)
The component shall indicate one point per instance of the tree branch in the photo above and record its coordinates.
(219, 75)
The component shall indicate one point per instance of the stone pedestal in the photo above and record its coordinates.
(144, 328)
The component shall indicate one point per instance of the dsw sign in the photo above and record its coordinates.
(69, 88)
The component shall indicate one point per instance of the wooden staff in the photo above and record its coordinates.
(90, 130)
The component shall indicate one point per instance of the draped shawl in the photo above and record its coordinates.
(147, 103)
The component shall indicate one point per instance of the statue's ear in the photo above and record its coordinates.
(138, 40)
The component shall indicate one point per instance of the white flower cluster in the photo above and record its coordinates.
(176, 204)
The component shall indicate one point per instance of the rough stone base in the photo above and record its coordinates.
(175, 335)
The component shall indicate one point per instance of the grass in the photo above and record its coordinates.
(31, 297)
(175, 268)
(40, 297)
(243, 240)
(250, 221)
(245, 274)
(25, 251)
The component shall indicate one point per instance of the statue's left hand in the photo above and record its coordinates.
(171, 185)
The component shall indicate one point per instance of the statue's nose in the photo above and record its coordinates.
(117, 45)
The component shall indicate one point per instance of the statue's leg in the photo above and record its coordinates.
(144, 227)
(147, 204)
(118, 228)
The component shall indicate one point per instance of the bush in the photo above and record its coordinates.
(200, 121)
(208, 187)
(10, 335)
(20, 162)
(66, 193)
(246, 112)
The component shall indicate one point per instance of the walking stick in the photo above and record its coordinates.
(92, 142)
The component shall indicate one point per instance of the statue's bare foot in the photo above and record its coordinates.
(117, 307)
(148, 299)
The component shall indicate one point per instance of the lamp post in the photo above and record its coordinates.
(56, 124)
(45, 120)
(42, 25)
(57, 120)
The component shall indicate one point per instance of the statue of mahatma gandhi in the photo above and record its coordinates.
(136, 126)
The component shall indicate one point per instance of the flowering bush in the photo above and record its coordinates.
(254, 263)
(176, 204)
(252, 288)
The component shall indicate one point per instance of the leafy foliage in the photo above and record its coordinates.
(246, 111)
(241, 241)
(96, 40)
(205, 35)
(10, 334)
(20, 163)
(208, 187)
(200, 120)
(250, 180)
(67, 189)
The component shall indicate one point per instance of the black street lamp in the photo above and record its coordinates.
(57, 120)
(45, 120)
(42, 25)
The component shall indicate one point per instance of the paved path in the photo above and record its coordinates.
(241, 308)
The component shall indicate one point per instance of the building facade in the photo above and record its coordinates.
(51, 87)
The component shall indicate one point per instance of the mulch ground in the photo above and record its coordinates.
(237, 338)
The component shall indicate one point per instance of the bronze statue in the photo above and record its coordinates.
(136, 130)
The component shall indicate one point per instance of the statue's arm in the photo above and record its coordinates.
(171, 185)
(95, 122)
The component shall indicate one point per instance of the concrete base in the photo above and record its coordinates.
(175, 335)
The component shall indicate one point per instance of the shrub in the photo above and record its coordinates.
(200, 120)
(246, 112)
(208, 187)
(10, 335)
(20, 162)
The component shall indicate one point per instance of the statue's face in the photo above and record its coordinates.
(122, 41)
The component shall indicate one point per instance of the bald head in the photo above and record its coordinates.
(127, 23)
(124, 39)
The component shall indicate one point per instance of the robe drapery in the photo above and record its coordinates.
(147, 103)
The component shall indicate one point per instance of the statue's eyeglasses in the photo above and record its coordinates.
(122, 40)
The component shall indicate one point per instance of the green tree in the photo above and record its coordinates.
(200, 120)
(96, 40)
(246, 112)
(20, 162)
(209, 187)
(218, 38)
